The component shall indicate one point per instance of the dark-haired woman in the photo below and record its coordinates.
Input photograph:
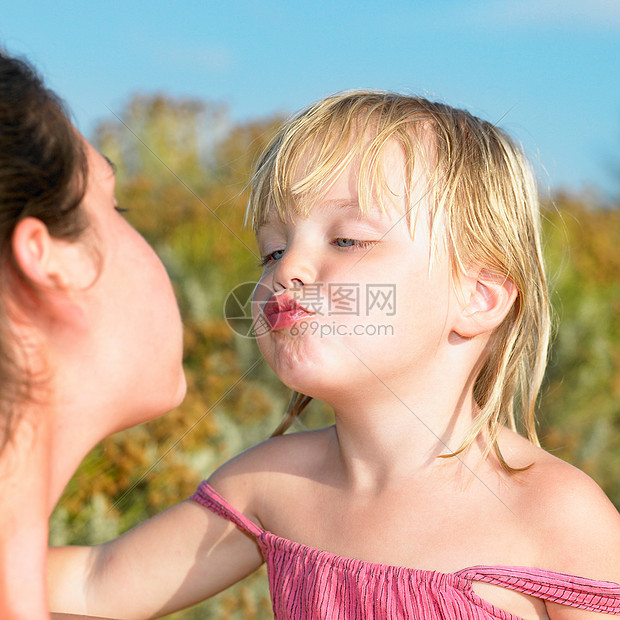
(90, 333)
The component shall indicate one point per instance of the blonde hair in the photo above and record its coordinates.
(483, 207)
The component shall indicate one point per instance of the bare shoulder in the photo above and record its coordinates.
(577, 525)
(248, 480)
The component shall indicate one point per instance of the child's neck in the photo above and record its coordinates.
(387, 432)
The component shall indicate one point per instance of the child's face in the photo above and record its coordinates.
(354, 295)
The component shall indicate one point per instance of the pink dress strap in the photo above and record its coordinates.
(208, 497)
(588, 594)
(310, 584)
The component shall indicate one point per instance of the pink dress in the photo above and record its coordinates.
(308, 584)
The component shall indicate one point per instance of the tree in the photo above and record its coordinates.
(580, 409)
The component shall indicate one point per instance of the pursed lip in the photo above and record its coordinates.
(282, 311)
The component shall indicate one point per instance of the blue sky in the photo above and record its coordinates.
(548, 71)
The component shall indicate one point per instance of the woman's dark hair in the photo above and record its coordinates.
(43, 173)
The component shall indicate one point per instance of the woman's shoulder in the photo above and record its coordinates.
(576, 524)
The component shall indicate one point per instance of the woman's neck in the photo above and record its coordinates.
(22, 573)
(24, 513)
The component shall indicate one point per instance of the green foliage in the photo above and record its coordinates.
(183, 172)
(580, 409)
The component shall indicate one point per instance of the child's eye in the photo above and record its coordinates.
(265, 260)
(120, 209)
(345, 242)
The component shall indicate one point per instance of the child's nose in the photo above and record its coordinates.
(296, 268)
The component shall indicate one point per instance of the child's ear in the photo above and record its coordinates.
(486, 298)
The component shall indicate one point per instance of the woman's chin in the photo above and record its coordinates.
(171, 394)
(159, 403)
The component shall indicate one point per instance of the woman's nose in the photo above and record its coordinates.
(295, 268)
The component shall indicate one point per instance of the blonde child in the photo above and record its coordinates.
(422, 501)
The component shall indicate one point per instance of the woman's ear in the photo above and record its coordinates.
(34, 254)
(486, 298)
(56, 271)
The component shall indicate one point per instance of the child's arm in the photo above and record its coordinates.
(185, 554)
(171, 561)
